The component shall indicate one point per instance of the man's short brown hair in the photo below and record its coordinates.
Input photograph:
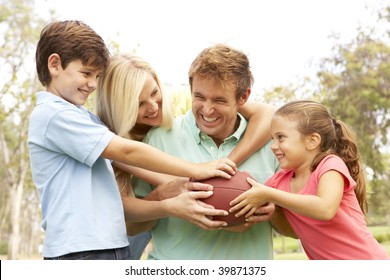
(225, 65)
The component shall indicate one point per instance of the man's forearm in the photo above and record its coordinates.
(136, 228)
(280, 223)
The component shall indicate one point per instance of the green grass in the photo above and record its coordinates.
(291, 256)
(380, 230)
(287, 248)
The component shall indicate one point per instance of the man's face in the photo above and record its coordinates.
(215, 108)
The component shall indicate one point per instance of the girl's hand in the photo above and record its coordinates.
(217, 168)
(248, 202)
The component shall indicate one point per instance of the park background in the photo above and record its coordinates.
(335, 52)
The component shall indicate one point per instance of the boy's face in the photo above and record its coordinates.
(74, 83)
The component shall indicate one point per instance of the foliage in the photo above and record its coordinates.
(354, 83)
(20, 28)
(3, 248)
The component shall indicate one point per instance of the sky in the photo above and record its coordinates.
(284, 39)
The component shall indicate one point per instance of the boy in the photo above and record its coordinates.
(70, 151)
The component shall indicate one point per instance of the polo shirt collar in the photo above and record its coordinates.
(197, 133)
(44, 96)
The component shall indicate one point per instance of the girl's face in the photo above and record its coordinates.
(150, 104)
(288, 143)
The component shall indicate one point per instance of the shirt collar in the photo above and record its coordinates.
(44, 96)
(47, 97)
(197, 133)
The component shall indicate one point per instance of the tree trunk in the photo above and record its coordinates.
(14, 235)
(16, 178)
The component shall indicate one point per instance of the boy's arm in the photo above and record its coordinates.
(257, 133)
(142, 155)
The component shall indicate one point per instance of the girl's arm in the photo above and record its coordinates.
(257, 133)
(145, 156)
(322, 206)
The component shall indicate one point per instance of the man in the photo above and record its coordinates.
(220, 80)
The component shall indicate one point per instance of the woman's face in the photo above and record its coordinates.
(150, 104)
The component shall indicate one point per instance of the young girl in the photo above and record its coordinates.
(321, 186)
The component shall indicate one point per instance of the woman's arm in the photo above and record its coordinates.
(257, 133)
(153, 178)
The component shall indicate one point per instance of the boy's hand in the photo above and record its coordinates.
(221, 168)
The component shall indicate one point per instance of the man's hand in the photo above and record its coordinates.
(262, 214)
(184, 201)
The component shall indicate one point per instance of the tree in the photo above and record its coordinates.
(355, 85)
(20, 28)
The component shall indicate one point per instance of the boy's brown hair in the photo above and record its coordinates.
(71, 40)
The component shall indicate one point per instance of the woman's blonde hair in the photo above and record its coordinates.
(117, 101)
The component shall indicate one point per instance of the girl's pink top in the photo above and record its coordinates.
(346, 236)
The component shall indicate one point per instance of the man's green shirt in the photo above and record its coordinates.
(178, 239)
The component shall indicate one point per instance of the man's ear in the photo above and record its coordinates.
(244, 98)
(312, 141)
(54, 63)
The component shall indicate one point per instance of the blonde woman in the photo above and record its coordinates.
(130, 102)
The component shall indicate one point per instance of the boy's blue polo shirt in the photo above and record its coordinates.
(81, 205)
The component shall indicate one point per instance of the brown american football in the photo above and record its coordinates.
(225, 190)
